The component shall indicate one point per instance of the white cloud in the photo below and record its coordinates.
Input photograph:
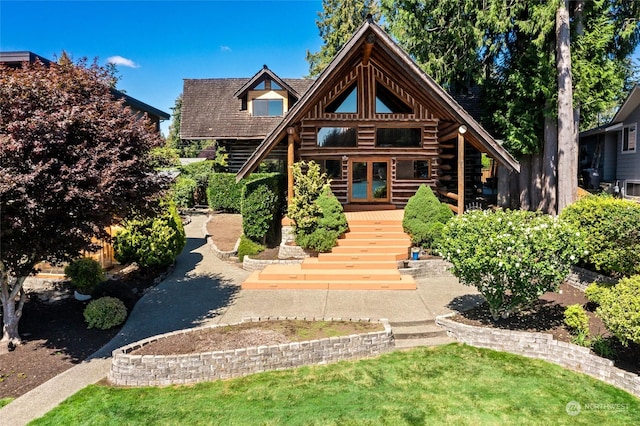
(225, 49)
(119, 60)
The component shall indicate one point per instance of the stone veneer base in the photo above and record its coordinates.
(543, 346)
(163, 370)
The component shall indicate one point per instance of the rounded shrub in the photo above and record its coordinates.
(575, 317)
(611, 230)
(248, 248)
(105, 313)
(117, 289)
(596, 291)
(85, 274)
(424, 218)
(620, 310)
(151, 242)
(512, 257)
(330, 224)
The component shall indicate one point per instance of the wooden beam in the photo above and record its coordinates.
(447, 194)
(292, 131)
(290, 160)
(368, 47)
(460, 173)
(446, 136)
(453, 208)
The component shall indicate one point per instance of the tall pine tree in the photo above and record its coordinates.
(337, 22)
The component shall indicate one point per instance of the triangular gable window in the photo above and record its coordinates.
(388, 103)
(267, 84)
(347, 102)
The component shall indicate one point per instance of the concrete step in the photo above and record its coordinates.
(414, 343)
(375, 222)
(428, 329)
(375, 235)
(380, 242)
(375, 228)
(386, 249)
(316, 263)
(254, 282)
(295, 272)
(358, 257)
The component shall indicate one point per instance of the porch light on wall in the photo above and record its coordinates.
(462, 129)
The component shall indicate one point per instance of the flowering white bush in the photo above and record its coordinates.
(512, 257)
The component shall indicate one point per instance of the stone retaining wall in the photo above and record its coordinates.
(163, 370)
(581, 278)
(543, 346)
(251, 265)
(427, 268)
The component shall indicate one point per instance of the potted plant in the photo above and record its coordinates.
(85, 274)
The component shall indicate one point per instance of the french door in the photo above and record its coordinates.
(369, 180)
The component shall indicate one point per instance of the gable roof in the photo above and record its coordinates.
(211, 108)
(628, 106)
(17, 58)
(443, 104)
(265, 71)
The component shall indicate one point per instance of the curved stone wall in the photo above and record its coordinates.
(162, 370)
(543, 346)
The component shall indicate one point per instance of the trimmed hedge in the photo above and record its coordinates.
(223, 193)
(183, 191)
(611, 231)
(262, 205)
(105, 313)
(620, 309)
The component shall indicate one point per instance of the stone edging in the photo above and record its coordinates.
(251, 265)
(542, 346)
(164, 370)
(580, 278)
(427, 268)
(220, 254)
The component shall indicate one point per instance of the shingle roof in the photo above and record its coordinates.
(210, 110)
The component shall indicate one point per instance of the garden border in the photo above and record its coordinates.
(220, 254)
(542, 346)
(163, 370)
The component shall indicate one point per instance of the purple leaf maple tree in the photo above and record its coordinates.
(73, 160)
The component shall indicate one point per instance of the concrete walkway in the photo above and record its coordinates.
(206, 290)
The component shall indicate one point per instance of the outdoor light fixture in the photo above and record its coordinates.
(462, 129)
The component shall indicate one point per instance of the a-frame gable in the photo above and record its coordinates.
(370, 56)
(264, 73)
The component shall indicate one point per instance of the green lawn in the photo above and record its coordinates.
(452, 384)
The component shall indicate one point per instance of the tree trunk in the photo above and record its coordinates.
(535, 187)
(524, 180)
(549, 166)
(11, 310)
(567, 151)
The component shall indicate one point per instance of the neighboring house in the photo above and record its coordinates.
(139, 108)
(16, 59)
(609, 154)
(238, 113)
(374, 121)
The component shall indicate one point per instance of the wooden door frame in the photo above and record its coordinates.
(369, 161)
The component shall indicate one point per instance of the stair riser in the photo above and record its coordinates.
(350, 242)
(333, 275)
(375, 228)
(311, 285)
(371, 250)
(357, 235)
(336, 266)
(356, 257)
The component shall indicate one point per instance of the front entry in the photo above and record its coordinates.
(369, 180)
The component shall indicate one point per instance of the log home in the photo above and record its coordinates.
(379, 126)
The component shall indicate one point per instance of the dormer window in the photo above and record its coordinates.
(267, 84)
(268, 107)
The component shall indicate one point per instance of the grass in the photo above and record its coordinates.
(5, 401)
(452, 384)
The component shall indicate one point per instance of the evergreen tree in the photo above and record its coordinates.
(173, 139)
(511, 53)
(337, 22)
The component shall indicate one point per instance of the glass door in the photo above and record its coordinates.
(369, 179)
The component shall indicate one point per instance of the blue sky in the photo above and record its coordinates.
(162, 42)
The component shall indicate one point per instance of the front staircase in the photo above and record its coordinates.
(365, 259)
